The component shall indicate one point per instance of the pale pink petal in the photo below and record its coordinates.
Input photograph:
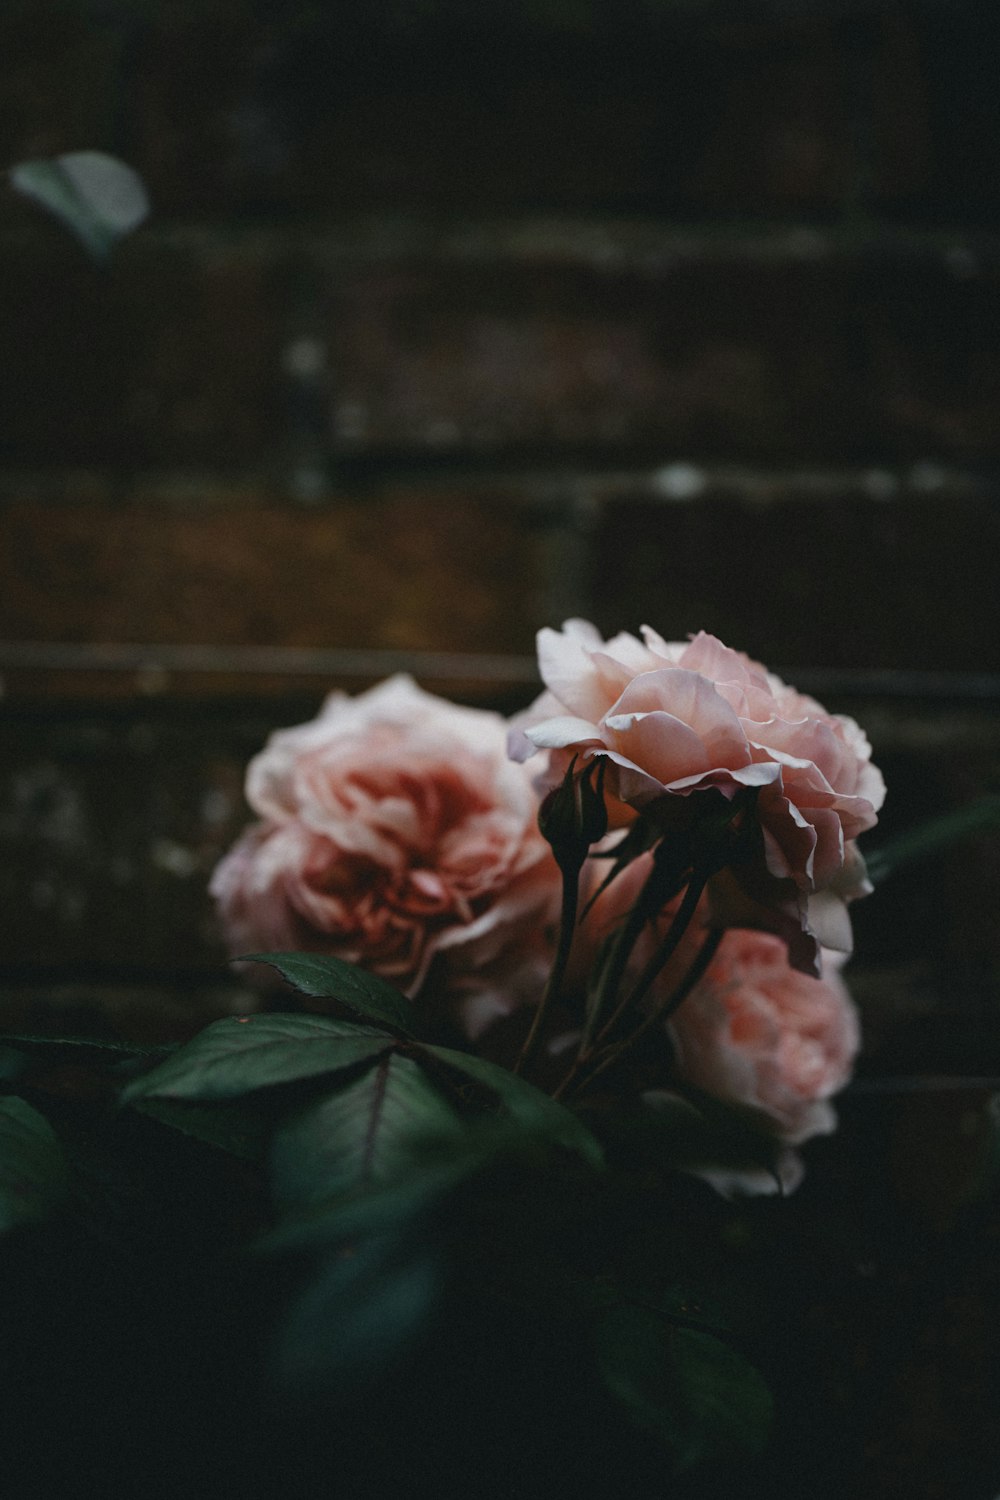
(665, 747)
(555, 734)
(567, 669)
(760, 1035)
(691, 698)
(397, 830)
(668, 651)
(830, 922)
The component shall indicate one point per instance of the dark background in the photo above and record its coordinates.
(450, 321)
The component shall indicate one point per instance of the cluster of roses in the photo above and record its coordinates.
(401, 832)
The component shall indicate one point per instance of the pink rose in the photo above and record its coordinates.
(396, 833)
(753, 1032)
(671, 719)
(757, 1033)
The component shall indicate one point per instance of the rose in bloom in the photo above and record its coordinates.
(757, 1033)
(395, 833)
(754, 1032)
(673, 719)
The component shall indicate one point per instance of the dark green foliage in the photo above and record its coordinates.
(362, 1309)
(32, 1165)
(415, 1191)
(331, 979)
(534, 1112)
(96, 1047)
(693, 1390)
(690, 1131)
(243, 1053)
(363, 1134)
(369, 1136)
(240, 1128)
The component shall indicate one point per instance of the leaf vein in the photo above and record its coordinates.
(375, 1117)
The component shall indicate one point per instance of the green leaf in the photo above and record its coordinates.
(369, 1210)
(423, 1158)
(332, 979)
(96, 196)
(32, 1165)
(694, 1132)
(693, 1391)
(377, 1279)
(365, 1307)
(533, 1111)
(243, 1053)
(365, 1134)
(37, 1042)
(228, 1124)
(436, 1168)
(936, 833)
(728, 1408)
(634, 1360)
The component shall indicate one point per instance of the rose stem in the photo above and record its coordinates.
(660, 887)
(567, 926)
(608, 983)
(708, 950)
(663, 954)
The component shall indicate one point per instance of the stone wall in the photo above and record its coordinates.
(445, 327)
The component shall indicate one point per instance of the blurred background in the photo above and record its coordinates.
(453, 320)
(449, 321)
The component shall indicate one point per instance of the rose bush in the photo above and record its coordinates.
(673, 719)
(395, 833)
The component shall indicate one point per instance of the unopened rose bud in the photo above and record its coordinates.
(593, 808)
(573, 816)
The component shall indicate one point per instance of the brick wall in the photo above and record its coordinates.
(443, 328)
